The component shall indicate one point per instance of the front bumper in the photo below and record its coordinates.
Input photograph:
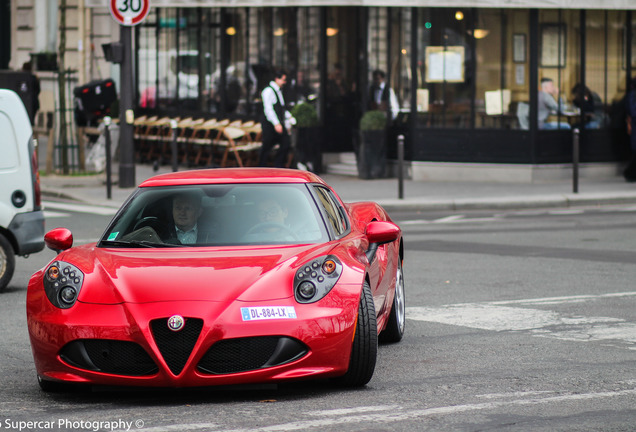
(127, 344)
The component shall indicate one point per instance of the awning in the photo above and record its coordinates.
(538, 4)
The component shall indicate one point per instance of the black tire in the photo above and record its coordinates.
(364, 350)
(7, 262)
(394, 330)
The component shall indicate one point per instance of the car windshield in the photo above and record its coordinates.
(211, 215)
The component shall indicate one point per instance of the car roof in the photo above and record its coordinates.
(233, 175)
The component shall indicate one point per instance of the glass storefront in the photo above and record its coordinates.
(469, 74)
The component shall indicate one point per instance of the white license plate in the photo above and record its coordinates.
(267, 313)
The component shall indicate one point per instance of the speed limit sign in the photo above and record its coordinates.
(129, 12)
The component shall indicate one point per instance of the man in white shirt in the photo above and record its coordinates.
(276, 121)
(382, 97)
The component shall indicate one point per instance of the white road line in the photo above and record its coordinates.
(81, 208)
(501, 316)
(565, 299)
(566, 212)
(52, 214)
(398, 414)
(447, 219)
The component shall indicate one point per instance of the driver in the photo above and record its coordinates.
(186, 210)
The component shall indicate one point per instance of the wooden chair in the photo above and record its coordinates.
(201, 140)
(155, 137)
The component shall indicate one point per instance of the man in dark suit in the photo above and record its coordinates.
(275, 121)
(186, 211)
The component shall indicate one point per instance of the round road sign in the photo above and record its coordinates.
(129, 12)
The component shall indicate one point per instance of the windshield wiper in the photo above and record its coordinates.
(135, 243)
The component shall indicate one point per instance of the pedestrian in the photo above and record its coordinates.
(630, 106)
(381, 96)
(276, 121)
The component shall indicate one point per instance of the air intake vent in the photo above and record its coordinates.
(246, 354)
(176, 346)
(109, 356)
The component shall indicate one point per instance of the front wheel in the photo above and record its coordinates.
(364, 350)
(7, 262)
(394, 330)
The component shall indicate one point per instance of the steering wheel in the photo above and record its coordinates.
(153, 222)
(274, 228)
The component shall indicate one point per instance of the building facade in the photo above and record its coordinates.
(468, 76)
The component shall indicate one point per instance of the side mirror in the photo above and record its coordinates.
(58, 239)
(380, 233)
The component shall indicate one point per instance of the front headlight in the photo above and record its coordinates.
(62, 284)
(316, 278)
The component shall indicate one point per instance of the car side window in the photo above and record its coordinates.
(333, 211)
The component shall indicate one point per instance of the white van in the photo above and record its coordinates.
(21, 216)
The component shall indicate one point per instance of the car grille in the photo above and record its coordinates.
(109, 356)
(176, 346)
(246, 354)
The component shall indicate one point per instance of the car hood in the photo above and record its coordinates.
(201, 274)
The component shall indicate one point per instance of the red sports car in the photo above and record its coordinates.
(221, 276)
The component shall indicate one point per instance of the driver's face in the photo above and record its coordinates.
(271, 211)
(185, 213)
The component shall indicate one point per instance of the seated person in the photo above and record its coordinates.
(590, 104)
(186, 211)
(547, 105)
(271, 222)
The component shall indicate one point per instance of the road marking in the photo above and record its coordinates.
(80, 208)
(53, 214)
(566, 212)
(453, 219)
(501, 316)
(447, 219)
(398, 413)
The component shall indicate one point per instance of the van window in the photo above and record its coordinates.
(8, 144)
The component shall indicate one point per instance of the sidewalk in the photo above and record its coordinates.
(418, 195)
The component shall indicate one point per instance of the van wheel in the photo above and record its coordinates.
(7, 262)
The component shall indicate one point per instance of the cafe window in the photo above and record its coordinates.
(444, 87)
(177, 52)
(559, 69)
(605, 40)
(501, 71)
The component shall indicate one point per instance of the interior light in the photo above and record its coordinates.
(279, 31)
(459, 15)
(481, 33)
(230, 31)
(332, 31)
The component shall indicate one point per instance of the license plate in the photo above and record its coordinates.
(267, 313)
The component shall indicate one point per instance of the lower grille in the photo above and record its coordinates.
(109, 356)
(246, 354)
(176, 346)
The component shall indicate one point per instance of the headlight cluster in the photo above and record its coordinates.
(62, 284)
(316, 278)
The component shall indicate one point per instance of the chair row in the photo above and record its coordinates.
(199, 142)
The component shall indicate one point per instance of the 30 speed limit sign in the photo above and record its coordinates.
(129, 12)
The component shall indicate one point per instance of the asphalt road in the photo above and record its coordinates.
(522, 321)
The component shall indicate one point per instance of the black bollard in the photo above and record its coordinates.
(173, 125)
(109, 192)
(400, 168)
(575, 160)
